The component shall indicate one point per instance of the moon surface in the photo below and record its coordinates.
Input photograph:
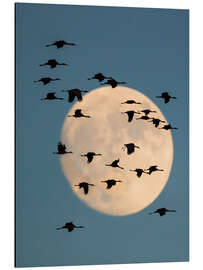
(106, 132)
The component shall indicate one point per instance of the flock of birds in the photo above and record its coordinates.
(143, 115)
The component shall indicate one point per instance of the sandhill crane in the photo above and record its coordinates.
(69, 226)
(152, 169)
(60, 43)
(62, 149)
(75, 93)
(114, 164)
(130, 115)
(53, 63)
(156, 121)
(113, 82)
(147, 111)
(167, 127)
(47, 80)
(51, 96)
(161, 211)
(130, 148)
(85, 186)
(90, 156)
(130, 101)
(166, 97)
(143, 117)
(99, 76)
(78, 114)
(139, 172)
(110, 183)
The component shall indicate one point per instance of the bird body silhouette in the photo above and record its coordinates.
(51, 96)
(90, 156)
(152, 169)
(47, 80)
(110, 183)
(61, 43)
(75, 93)
(69, 226)
(99, 76)
(62, 149)
(161, 211)
(156, 122)
(85, 187)
(167, 127)
(130, 115)
(130, 148)
(53, 63)
(113, 82)
(79, 114)
(130, 101)
(139, 172)
(166, 97)
(114, 164)
(147, 111)
(143, 117)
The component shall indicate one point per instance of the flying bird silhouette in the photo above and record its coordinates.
(47, 80)
(114, 164)
(110, 183)
(161, 211)
(53, 63)
(61, 149)
(156, 121)
(113, 82)
(130, 148)
(69, 226)
(75, 93)
(152, 169)
(51, 96)
(61, 43)
(139, 172)
(144, 117)
(130, 115)
(130, 101)
(99, 76)
(90, 156)
(147, 111)
(166, 97)
(78, 114)
(85, 186)
(167, 127)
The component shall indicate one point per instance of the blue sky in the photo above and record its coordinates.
(148, 48)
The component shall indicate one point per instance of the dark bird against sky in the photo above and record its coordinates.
(113, 82)
(130, 115)
(166, 97)
(147, 111)
(85, 187)
(79, 114)
(53, 63)
(72, 93)
(167, 127)
(143, 117)
(114, 164)
(131, 101)
(62, 149)
(51, 96)
(69, 226)
(99, 76)
(152, 169)
(130, 148)
(61, 43)
(161, 211)
(110, 183)
(90, 156)
(156, 121)
(47, 80)
(138, 171)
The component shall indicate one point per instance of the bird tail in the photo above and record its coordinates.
(80, 227)
(122, 82)
(60, 98)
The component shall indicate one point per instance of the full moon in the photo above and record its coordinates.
(106, 132)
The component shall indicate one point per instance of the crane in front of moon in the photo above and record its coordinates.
(53, 63)
(130, 148)
(90, 156)
(130, 114)
(72, 93)
(161, 211)
(112, 82)
(138, 171)
(152, 169)
(131, 101)
(46, 80)
(147, 111)
(110, 183)
(144, 117)
(85, 187)
(61, 149)
(79, 114)
(61, 43)
(166, 97)
(156, 121)
(99, 76)
(51, 96)
(167, 127)
(114, 164)
(69, 226)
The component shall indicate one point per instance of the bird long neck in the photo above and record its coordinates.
(60, 228)
(171, 210)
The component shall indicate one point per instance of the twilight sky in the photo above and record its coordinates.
(148, 48)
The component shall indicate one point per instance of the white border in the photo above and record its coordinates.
(196, 134)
